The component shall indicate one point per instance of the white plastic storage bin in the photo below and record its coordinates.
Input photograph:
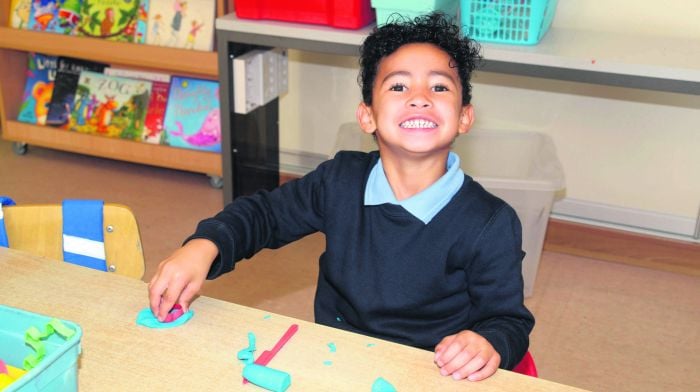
(521, 168)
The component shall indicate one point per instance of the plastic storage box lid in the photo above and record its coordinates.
(57, 371)
(506, 159)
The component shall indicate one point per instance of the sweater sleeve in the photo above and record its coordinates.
(266, 219)
(496, 288)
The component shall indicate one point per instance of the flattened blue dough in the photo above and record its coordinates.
(382, 385)
(147, 319)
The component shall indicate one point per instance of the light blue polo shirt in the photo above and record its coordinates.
(424, 205)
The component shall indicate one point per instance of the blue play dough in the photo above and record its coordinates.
(147, 319)
(382, 385)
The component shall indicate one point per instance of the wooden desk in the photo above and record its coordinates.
(201, 355)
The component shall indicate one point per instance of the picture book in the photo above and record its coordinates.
(192, 117)
(67, 75)
(114, 20)
(41, 71)
(187, 24)
(19, 13)
(110, 105)
(153, 124)
(141, 22)
(54, 16)
(138, 74)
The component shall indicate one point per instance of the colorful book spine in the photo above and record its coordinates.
(192, 118)
(41, 72)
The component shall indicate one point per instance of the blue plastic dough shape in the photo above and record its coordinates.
(267, 377)
(382, 385)
(147, 319)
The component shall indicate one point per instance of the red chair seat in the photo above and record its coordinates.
(526, 366)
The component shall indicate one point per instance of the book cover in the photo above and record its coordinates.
(41, 72)
(63, 97)
(43, 15)
(114, 20)
(192, 118)
(68, 17)
(138, 74)
(141, 22)
(110, 105)
(153, 124)
(20, 11)
(181, 24)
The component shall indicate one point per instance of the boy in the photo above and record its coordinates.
(416, 251)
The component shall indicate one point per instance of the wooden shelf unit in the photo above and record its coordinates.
(14, 46)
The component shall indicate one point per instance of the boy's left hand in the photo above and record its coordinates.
(466, 355)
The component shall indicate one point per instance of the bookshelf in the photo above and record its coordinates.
(14, 46)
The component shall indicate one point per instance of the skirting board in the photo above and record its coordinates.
(623, 247)
(628, 219)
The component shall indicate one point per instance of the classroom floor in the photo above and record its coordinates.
(600, 326)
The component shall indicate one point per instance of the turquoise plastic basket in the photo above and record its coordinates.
(519, 22)
(58, 371)
(388, 9)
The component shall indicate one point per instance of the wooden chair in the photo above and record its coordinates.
(38, 229)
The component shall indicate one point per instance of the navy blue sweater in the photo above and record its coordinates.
(384, 272)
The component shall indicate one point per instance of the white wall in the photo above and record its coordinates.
(635, 150)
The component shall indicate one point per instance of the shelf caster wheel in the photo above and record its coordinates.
(216, 182)
(20, 148)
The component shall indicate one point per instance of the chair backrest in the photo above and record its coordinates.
(38, 229)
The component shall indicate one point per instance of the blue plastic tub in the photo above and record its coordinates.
(516, 22)
(57, 371)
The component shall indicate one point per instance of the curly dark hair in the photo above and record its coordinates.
(435, 28)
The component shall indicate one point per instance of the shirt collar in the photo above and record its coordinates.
(423, 205)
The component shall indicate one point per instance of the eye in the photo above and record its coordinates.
(397, 87)
(440, 88)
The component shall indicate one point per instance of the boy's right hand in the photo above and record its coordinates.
(180, 277)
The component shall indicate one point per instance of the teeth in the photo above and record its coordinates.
(418, 124)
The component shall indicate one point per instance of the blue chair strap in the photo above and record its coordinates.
(4, 201)
(83, 239)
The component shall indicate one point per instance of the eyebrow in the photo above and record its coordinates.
(432, 73)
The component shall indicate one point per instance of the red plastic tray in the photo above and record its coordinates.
(345, 14)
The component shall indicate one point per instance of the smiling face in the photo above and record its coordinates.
(416, 103)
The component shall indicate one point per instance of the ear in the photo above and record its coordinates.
(466, 119)
(365, 118)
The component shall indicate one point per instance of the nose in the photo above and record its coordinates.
(419, 100)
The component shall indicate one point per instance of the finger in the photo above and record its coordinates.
(458, 362)
(449, 354)
(156, 288)
(187, 295)
(441, 347)
(487, 371)
(473, 364)
(169, 298)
